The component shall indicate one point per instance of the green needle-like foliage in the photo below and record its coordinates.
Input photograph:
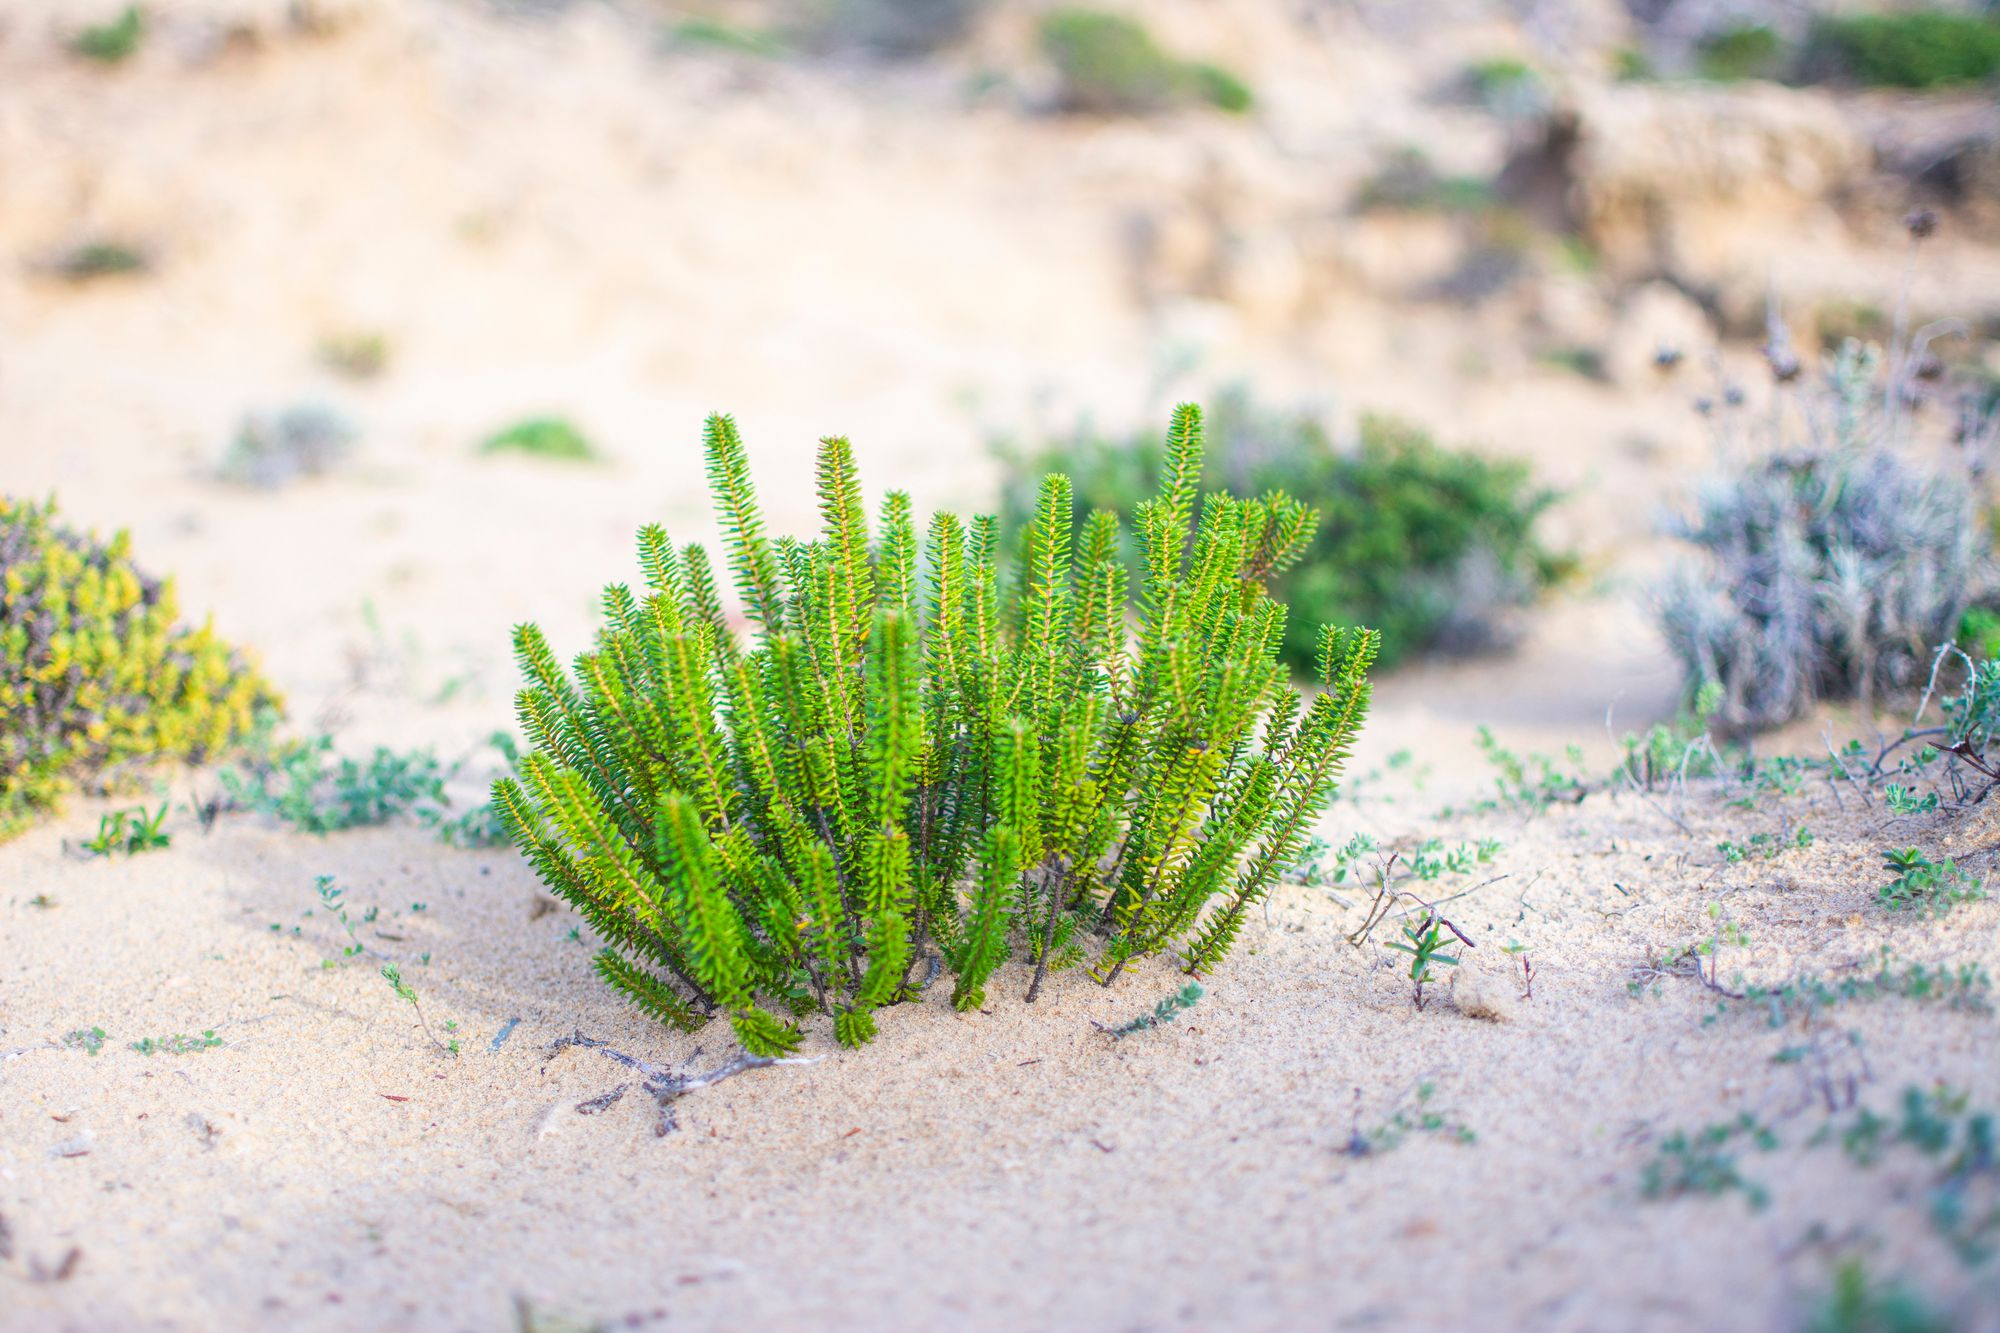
(95, 673)
(914, 764)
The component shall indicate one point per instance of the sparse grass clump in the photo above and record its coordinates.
(1835, 563)
(273, 448)
(917, 766)
(97, 677)
(1433, 547)
(1110, 64)
(553, 438)
(114, 42)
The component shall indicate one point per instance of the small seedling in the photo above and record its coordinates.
(1519, 953)
(405, 991)
(89, 1040)
(1705, 1162)
(1424, 942)
(1166, 1011)
(1936, 886)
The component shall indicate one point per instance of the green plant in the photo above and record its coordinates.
(1804, 998)
(542, 437)
(130, 831)
(1922, 882)
(1425, 942)
(90, 1040)
(1431, 546)
(178, 1044)
(1742, 51)
(110, 43)
(405, 991)
(1979, 633)
(96, 678)
(100, 259)
(1856, 1303)
(1940, 1124)
(900, 764)
(715, 35)
(1920, 48)
(1110, 64)
(1705, 1162)
(1166, 1011)
(300, 783)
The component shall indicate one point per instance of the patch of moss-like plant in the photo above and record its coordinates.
(97, 676)
(1110, 64)
(1434, 547)
(543, 437)
(917, 766)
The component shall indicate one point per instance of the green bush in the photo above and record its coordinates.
(1925, 48)
(1744, 51)
(95, 675)
(1428, 545)
(907, 771)
(542, 437)
(1111, 64)
(111, 43)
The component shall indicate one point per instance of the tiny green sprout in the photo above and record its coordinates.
(89, 1040)
(418, 907)
(425, 958)
(333, 898)
(405, 991)
(42, 900)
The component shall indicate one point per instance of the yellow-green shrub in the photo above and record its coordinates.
(96, 676)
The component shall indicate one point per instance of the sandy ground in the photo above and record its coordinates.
(324, 1167)
(550, 217)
